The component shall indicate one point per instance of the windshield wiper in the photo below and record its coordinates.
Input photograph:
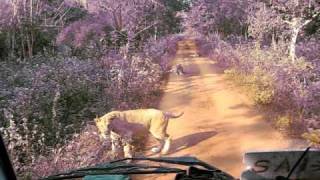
(294, 166)
(121, 167)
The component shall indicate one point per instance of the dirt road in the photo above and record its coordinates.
(220, 123)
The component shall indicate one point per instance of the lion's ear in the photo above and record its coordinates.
(96, 119)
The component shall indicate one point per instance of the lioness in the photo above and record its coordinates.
(156, 121)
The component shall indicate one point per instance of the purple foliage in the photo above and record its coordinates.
(110, 21)
(45, 101)
(46, 91)
(6, 12)
(83, 150)
(207, 17)
(161, 50)
(310, 49)
(81, 32)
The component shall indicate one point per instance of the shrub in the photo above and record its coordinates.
(257, 85)
(82, 150)
(312, 137)
(284, 123)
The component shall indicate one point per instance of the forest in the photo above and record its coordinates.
(64, 62)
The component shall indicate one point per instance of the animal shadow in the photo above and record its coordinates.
(190, 140)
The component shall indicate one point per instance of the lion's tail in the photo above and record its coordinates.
(171, 115)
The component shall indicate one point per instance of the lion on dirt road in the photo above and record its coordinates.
(122, 123)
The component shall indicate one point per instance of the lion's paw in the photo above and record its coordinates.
(155, 150)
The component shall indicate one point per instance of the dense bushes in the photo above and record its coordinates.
(82, 150)
(28, 27)
(121, 26)
(91, 27)
(51, 99)
(64, 62)
(219, 16)
(48, 100)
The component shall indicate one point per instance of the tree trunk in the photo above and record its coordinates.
(292, 48)
(31, 11)
(155, 33)
(296, 24)
(12, 42)
(274, 43)
(29, 45)
(23, 51)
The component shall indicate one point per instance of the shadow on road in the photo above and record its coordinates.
(190, 140)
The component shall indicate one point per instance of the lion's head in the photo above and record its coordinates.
(102, 127)
(103, 123)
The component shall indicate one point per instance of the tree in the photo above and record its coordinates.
(226, 17)
(296, 14)
(24, 23)
(264, 23)
(121, 25)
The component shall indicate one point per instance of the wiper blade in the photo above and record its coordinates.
(121, 167)
(298, 162)
(124, 170)
(183, 160)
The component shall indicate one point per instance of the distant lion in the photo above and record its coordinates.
(178, 69)
(154, 120)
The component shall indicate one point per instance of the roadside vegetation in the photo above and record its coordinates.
(64, 62)
(271, 49)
